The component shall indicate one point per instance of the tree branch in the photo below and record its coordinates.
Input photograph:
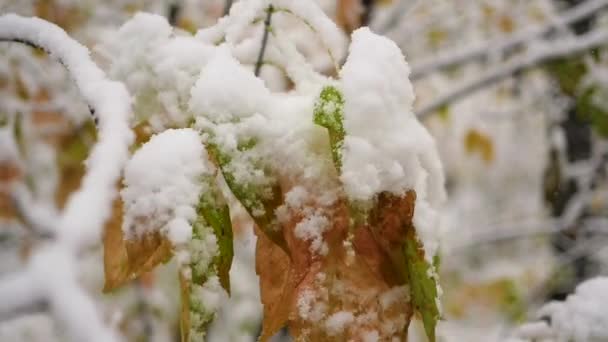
(523, 37)
(227, 7)
(259, 63)
(533, 57)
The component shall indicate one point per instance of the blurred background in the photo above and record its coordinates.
(515, 93)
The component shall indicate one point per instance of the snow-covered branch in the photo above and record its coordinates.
(534, 56)
(50, 274)
(502, 44)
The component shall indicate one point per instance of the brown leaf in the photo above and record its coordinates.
(304, 289)
(348, 14)
(276, 288)
(147, 252)
(126, 259)
(115, 261)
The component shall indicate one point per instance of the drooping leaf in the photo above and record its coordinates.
(329, 113)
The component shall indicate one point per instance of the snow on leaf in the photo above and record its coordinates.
(257, 202)
(329, 113)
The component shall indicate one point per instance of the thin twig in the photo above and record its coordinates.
(259, 62)
(173, 12)
(529, 60)
(38, 47)
(227, 7)
(500, 45)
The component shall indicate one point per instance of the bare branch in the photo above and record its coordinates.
(523, 37)
(535, 56)
(258, 64)
(227, 7)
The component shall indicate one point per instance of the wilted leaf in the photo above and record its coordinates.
(329, 113)
(305, 289)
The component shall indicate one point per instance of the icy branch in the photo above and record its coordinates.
(533, 57)
(523, 37)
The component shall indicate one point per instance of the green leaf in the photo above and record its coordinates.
(213, 208)
(587, 109)
(260, 202)
(423, 285)
(329, 113)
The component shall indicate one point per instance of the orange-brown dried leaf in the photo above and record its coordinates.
(115, 260)
(147, 252)
(348, 14)
(391, 219)
(276, 284)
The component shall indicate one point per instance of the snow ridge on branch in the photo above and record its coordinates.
(81, 222)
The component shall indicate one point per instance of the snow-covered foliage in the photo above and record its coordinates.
(289, 168)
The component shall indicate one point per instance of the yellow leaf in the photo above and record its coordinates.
(476, 142)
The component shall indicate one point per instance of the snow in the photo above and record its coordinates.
(386, 148)
(326, 30)
(163, 184)
(226, 90)
(81, 222)
(337, 322)
(311, 229)
(371, 336)
(582, 316)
